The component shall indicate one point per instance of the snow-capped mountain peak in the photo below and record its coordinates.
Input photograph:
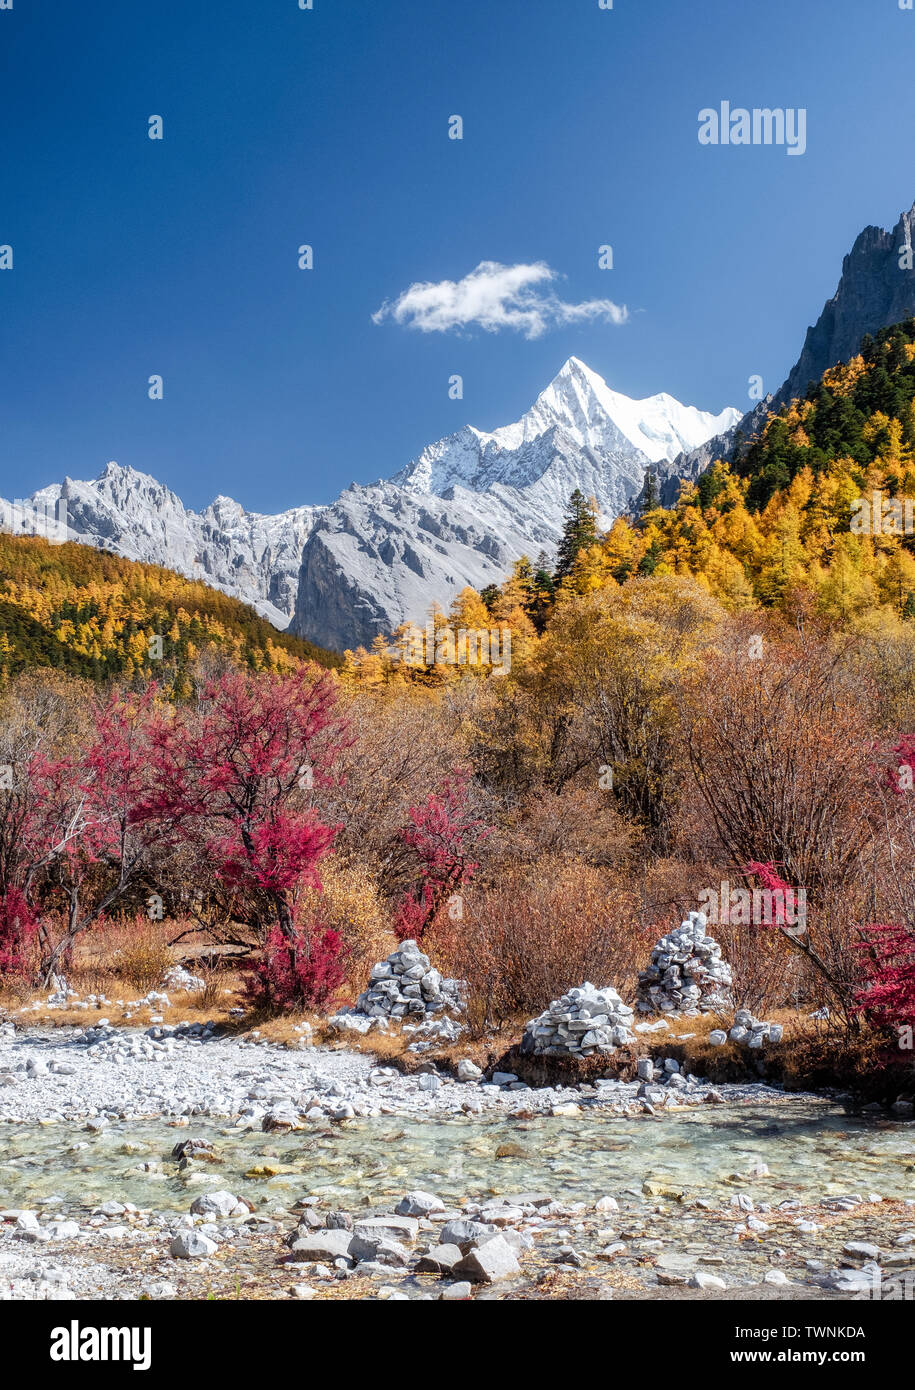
(460, 513)
(657, 425)
(472, 503)
(576, 412)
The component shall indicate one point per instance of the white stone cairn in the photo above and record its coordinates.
(406, 987)
(686, 974)
(583, 1022)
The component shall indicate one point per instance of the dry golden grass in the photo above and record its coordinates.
(144, 958)
(810, 1056)
(351, 905)
(391, 1048)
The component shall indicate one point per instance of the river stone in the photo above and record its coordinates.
(192, 1245)
(455, 1291)
(378, 1249)
(62, 1230)
(311, 1220)
(861, 1250)
(501, 1214)
(318, 1246)
(214, 1204)
(400, 1228)
(441, 1259)
(465, 1233)
(490, 1262)
(419, 1204)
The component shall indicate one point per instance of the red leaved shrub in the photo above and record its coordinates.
(17, 927)
(300, 972)
(889, 995)
(442, 836)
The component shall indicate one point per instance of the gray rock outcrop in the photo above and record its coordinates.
(875, 290)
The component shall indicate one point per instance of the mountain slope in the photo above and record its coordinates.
(472, 503)
(96, 615)
(814, 516)
(253, 557)
(876, 289)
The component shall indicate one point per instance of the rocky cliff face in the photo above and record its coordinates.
(876, 289)
(381, 555)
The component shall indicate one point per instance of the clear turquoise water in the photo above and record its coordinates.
(813, 1149)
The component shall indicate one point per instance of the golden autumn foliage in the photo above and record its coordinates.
(100, 616)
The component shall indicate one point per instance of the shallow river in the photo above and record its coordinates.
(813, 1149)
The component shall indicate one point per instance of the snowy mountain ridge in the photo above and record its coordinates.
(460, 513)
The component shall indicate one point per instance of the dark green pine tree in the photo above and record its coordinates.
(579, 530)
(544, 592)
(651, 493)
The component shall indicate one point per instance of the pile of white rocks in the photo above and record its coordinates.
(63, 997)
(747, 1030)
(582, 1022)
(687, 974)
(404, 986)
(668, 1074)
(104, 1041)
(61, 993)
(176, 978)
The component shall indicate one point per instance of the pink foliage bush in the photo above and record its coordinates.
(442, 835)
(304, 972)
(17, 927)
(889, 994)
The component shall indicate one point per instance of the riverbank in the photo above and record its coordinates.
(596, 1190)
(545, 1250)
(104, 1074)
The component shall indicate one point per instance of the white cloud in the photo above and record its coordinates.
(494, 297)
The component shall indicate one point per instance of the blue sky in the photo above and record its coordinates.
(135, 257)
